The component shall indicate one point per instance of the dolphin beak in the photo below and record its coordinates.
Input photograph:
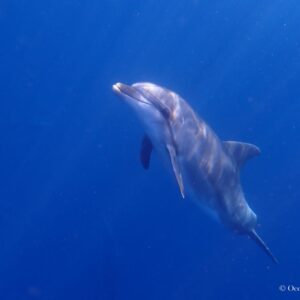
(117, 88)
(129, 92)
(124, 90)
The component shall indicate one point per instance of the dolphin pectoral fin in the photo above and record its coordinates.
(145, 152)
(176, 169)
(241, 152)
(254, 236)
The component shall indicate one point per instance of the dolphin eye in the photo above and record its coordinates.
(165, 112)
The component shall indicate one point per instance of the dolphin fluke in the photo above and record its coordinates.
(254, 236)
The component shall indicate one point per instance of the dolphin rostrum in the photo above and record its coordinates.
(205, 168)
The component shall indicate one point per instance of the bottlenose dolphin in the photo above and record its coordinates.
(205, 168)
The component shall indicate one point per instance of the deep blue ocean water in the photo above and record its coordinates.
(79, 217)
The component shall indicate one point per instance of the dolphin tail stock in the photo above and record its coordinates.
(254, 236)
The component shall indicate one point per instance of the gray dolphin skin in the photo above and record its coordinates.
(206, 169)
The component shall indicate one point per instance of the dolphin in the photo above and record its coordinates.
(206, 169)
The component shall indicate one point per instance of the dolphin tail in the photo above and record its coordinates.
(254, 236)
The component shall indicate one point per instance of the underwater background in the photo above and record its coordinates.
(79, 217)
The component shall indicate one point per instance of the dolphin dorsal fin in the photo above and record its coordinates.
(145, 152)
(241, 152)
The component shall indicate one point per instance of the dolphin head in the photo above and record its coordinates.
(153, 104)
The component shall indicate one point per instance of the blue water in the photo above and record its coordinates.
(79, 217)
